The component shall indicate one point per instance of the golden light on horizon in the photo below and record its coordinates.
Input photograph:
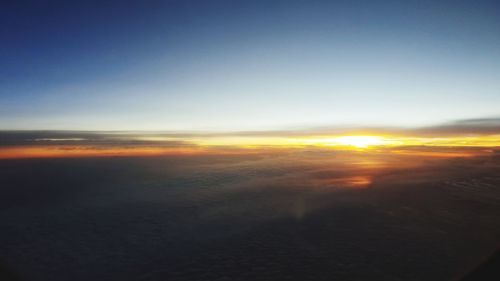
(356, 140)
(161, 145)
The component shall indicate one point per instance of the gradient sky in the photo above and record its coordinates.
(246, 65)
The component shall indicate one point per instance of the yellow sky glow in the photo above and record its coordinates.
(251, 144)
(358, 141)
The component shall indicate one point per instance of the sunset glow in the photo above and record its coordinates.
(147, 145)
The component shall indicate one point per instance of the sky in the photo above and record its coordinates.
(246, 65)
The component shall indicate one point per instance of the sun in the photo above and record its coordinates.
(360, 141)
(356, 141)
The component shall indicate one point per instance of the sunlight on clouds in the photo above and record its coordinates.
(171, 144)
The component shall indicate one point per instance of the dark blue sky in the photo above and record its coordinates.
(245, 65)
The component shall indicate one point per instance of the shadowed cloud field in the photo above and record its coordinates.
(308, 214)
